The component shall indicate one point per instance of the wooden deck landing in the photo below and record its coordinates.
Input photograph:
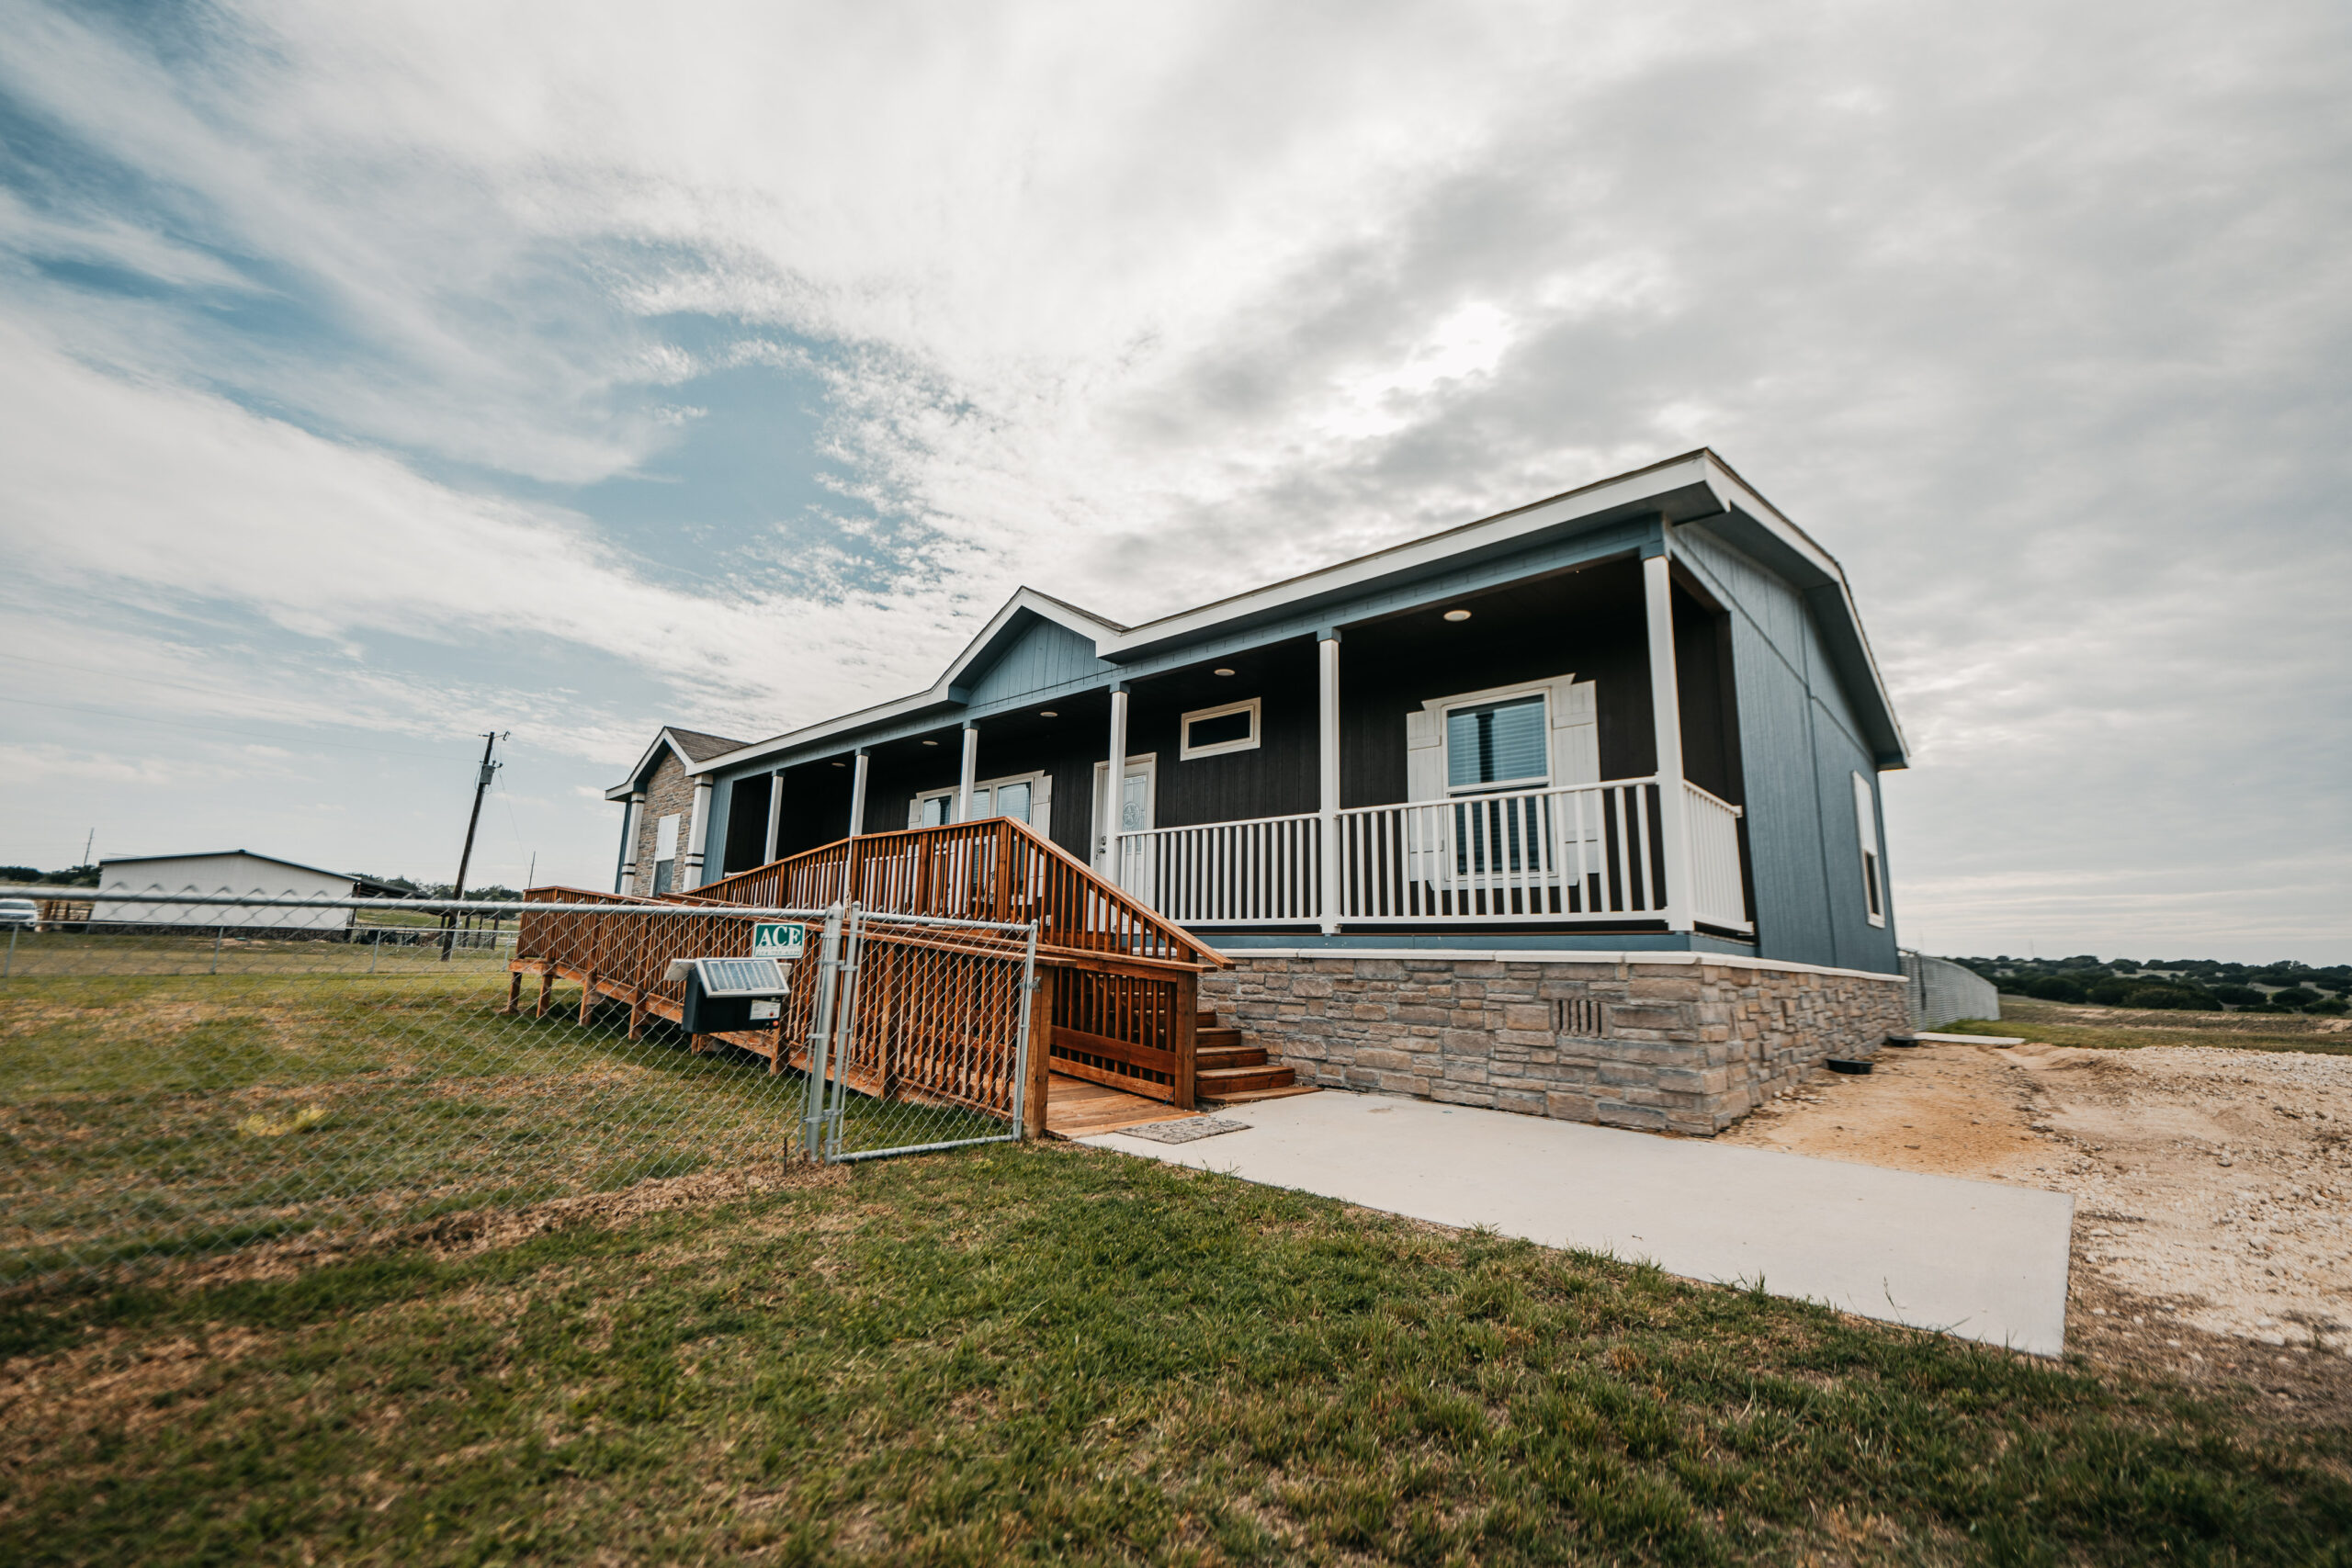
(1078, 1108)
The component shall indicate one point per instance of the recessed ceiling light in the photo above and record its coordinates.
(1457, 614)
(930, 742)
(1047, 712)
(841, 764)
(1225, 671)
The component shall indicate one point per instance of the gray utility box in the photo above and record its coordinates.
(724, 994)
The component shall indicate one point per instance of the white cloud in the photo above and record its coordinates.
(2032, 315)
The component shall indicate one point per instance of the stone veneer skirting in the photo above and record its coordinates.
(1685, 1041)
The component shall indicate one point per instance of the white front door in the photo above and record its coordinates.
(1138, 792)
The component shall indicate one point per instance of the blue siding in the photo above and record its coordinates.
(1800, 743)
(1048, 656)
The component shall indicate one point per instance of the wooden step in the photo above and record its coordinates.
(1228, 1056)
(1216, 1083)
(1243, 1097)
(1204, 1019)
(1206, 1038)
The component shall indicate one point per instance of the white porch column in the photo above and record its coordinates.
(632, 816)
(971, 771)
(701, 824)
(1666, 715)
(1115, 788)
(1328, 797)
(776, 810)
(857, 795)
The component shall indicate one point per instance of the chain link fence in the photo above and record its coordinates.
(189, 1074)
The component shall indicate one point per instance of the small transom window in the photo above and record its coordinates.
(1494, 745)
(1209, 732)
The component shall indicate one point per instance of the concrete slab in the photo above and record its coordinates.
(1971, 1258)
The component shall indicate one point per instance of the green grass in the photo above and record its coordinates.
(2062, 1024)
(165, 1115)
(1041, 1355)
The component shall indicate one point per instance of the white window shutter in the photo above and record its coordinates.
(1424, 755)
(1576, 734)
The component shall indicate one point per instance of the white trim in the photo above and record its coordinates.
(775, 813)
(1237, 955)
(1665, 723)
(965, 768)
(857, 796)
(1327, 777)
(695, 833)
(1873, 858)
(1186, 750)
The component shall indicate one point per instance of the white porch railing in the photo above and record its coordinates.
(1718, 891)
(1595, 852)
(1262, 872)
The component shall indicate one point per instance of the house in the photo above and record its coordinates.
(1571, 810)
(231, 872)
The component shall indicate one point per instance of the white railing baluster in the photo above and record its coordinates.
(1578, 855)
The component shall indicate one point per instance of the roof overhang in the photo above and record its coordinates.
(662, 742)
(945, 696)
(1695, 488)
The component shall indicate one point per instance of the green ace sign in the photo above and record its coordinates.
(779, 940)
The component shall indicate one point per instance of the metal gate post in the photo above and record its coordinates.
(820, 1023)
(844, 1033)
(1021, 1051)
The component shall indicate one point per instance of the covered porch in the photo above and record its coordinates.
(1548, 753)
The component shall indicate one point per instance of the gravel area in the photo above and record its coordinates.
(2213, 1189)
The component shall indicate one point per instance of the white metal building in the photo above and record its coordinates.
(231, 872)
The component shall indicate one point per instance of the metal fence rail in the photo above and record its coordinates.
(170, 1089)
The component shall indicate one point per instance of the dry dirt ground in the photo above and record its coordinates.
(2212, 1189)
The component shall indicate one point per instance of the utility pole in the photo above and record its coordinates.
(482, 787)
(85, 847)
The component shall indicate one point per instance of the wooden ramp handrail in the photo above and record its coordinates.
(1124, 997)
(997, 869)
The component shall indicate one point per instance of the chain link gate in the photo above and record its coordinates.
(934, 1026)
(185, 1076)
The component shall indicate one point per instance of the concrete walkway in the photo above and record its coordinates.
(1968, 1258)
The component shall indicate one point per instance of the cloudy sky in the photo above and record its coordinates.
(371, 377)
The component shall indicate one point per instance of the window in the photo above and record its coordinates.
(665, 853)
(1866, 828)
(1212, 732)
(1491, 746)
(1024, 798)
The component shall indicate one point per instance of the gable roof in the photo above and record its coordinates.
(691, 746)
(1695, 487)
(375, 888)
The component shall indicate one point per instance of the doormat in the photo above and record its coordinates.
(1184, 1131)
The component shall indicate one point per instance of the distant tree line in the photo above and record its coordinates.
(73, 877)
(490, 893)
(2201, 984)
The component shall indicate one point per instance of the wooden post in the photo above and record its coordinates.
(1185, 1037)
(547, 988)
(588, 998)
(1041, 1055)
(1004, 871)
(637, 1013)
(513, 992)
